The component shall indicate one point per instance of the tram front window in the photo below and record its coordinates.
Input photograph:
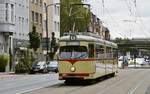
(73, 52)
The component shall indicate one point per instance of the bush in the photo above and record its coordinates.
(4, 60)
(24, 63)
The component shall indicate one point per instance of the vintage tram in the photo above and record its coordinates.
(86, 57)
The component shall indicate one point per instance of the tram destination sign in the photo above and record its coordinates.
(73, 43)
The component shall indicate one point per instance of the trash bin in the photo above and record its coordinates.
(120, 64)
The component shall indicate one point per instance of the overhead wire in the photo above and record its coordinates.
(132, 13)
(133, 16)
(140, 19)
(104, 8)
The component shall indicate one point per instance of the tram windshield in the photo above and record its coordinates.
(73, 52)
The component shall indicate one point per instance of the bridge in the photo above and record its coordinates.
(135, 46)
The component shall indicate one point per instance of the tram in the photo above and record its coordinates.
(86, 57)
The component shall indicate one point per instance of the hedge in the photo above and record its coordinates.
(4, 60)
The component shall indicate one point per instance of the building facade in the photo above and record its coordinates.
(20, 36)
(96, 26)
(53, 19)
(7, 24)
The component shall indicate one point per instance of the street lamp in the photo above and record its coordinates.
(47, 41)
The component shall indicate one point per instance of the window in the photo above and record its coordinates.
(12, 13)
(55, 23)
(22, 24)
(26, 21)
(73, 52)
(32, 16)
(36, 1)
(91, 50)
(32, 1)
(58, 28)
(6, 17)
(40, 2)
(41, 18)
(36, 17)
(57, 10)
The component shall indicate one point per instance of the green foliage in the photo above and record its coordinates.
(34, 39)
(54, 46)
(79, 16)
(25, 62)
(4, 60)
(120, 40)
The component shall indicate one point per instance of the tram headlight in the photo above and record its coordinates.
(72, 69)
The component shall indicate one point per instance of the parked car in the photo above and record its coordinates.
(131, 61)
(52, 66)
(39, 67)
(140, 61)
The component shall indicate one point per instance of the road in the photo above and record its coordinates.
(17, 84)
(127, 81)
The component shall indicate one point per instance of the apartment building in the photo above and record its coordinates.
(96, 26)
(20, 36)
(7, 24)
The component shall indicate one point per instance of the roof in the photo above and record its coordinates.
(90, 38)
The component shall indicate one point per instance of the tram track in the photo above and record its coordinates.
(124, 80)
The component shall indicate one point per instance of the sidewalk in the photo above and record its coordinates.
(4, 75)
(7, 73)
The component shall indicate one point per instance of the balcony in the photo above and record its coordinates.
(7, 28)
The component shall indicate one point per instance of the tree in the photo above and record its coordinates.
(54, 46)
(25, 61)
(73, 16)
(34, 39)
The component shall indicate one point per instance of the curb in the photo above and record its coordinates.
(7, 73)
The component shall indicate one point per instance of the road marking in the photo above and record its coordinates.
(117, 83)
(137, 86)
(29, 90)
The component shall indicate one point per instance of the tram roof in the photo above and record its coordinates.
(90, 38)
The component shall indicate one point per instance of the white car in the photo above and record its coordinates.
(39, 66)
(140, 61)
(52, 66)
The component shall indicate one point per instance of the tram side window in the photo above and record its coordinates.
(91, 50)
(99, 51)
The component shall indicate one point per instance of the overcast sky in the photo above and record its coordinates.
(124, 18)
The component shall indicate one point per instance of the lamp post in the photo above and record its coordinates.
(47, 41)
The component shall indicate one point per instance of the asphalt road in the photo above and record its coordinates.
(17, 84)
(128, 81)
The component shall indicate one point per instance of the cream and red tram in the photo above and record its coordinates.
(86, 57)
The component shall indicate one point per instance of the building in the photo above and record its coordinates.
(105, 33)
(7, 27)
(7, 24)
(53, 20)
(20, 36)
(98, 28)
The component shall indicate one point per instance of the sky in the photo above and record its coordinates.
(124, 18)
